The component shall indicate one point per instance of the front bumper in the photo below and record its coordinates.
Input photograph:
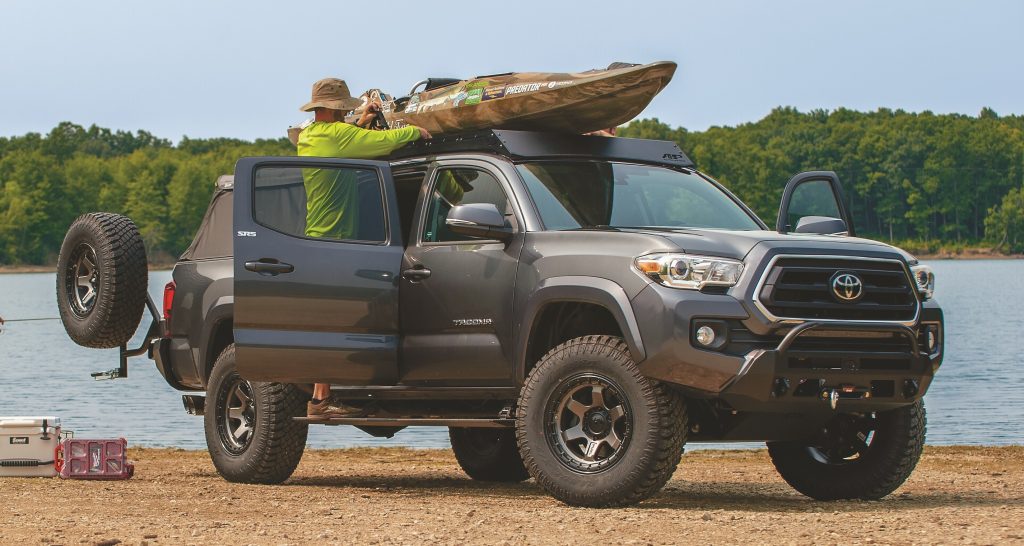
(787, 379)
(784, 372)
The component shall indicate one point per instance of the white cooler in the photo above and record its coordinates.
(27, 445)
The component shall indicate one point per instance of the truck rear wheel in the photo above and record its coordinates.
(250, 431)
(488, 454)
(857, 456)
(101, 280)
(593, 430)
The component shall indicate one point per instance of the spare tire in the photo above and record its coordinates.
(102, 276)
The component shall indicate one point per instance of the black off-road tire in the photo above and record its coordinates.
(650, 447)
(488, 454)
(102, 276)
(888, 461)
(274, 446)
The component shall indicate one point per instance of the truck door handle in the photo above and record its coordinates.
(269, 266)
(416, 273)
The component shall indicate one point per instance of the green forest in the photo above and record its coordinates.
(925, 181)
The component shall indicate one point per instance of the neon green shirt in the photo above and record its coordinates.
(449, 188)
(332, 196)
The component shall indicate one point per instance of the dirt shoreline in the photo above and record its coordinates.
(397, 496)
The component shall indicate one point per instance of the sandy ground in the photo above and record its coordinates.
(958, 495)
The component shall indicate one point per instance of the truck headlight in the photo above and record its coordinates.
(924, 278)
(692, 272)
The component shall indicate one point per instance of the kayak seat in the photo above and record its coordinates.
(432, 83)
(437, 83)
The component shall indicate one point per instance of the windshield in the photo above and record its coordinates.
(586, 194)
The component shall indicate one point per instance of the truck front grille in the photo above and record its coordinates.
(801, 288)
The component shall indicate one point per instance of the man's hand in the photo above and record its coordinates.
(425, 134)
(368, 114)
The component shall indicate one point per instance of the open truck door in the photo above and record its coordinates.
(316, 303)
(814, 202)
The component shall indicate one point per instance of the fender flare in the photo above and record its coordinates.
(598, 291)
(222, 309)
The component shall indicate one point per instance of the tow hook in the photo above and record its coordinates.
(832, 395)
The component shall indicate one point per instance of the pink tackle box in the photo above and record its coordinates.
(82, 459)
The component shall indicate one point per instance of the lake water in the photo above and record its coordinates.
(976, 398)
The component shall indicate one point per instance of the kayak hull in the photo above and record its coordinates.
(567, 102)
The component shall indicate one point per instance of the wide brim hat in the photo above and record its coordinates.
(331, 93)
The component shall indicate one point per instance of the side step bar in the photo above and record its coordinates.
(410, 422)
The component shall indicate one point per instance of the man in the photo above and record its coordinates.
(332, 196)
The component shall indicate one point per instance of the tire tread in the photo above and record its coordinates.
(664, 450)
(896, 460)
(124, 269)
(281, 441)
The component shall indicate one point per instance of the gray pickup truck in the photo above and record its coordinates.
(575, 311)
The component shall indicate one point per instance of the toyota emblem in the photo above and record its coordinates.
(847, 287)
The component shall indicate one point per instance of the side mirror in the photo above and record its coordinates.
(822, 225)
(478, 220)
(814, 202)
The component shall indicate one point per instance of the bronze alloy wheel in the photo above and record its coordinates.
(589, 423)
(846, 439)
(236, 414)
(82, 280)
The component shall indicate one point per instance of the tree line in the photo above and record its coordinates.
(47, 181)
(922, 180)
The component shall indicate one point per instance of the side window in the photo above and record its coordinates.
(812, 198)
(459, 186)
(342, 204)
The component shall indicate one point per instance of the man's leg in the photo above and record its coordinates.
(321, 405)
(321, 392)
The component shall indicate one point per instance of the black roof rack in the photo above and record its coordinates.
(539, 145)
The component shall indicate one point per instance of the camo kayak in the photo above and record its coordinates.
(576, 103)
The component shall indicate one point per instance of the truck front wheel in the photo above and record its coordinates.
(856, 456)
(594, 431)
(250, 431)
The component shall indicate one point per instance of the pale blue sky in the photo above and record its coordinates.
(241, 69)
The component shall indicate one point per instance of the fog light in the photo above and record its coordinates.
(705, 335)
(933, 339)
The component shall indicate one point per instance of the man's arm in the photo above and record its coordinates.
(449, 188)
(359, 143)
